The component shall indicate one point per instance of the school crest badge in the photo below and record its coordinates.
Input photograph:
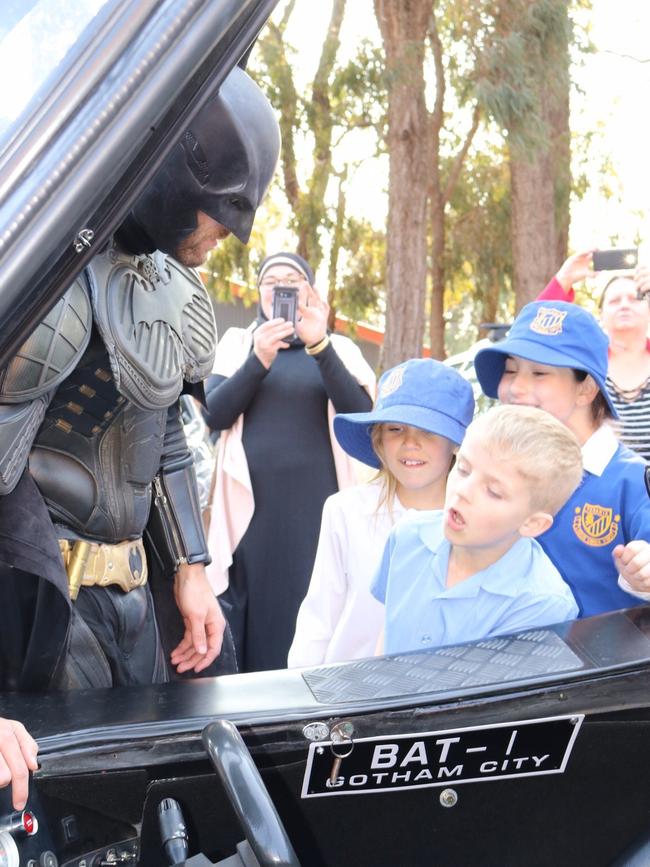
(596, 526)
(392, 382)
(548, 320)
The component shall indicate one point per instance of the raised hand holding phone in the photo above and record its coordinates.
(575, 268)
(616, 259)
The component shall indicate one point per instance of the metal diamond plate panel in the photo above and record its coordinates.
(526, 655)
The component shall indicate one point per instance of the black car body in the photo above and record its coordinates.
(531, 749)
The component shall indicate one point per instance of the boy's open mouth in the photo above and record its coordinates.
(455, 520)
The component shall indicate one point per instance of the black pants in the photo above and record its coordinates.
(113, 640)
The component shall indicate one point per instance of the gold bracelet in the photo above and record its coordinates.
(318, 347)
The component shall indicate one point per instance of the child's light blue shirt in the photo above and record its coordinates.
(522, 590)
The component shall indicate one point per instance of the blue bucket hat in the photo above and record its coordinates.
(421, 393)
(556, 333)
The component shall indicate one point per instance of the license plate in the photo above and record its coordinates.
(443, 758)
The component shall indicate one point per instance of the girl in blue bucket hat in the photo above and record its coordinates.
(555, 358)
(419, 418)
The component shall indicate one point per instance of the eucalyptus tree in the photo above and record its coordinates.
(403, 25)
(274, 71)
(525, 87)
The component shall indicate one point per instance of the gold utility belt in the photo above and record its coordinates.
(93, 564)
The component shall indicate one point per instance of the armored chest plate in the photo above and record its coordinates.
(156, 320)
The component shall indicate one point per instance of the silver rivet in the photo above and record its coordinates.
(316, 731)
(110, 565)
(448, 798)
(83, 240)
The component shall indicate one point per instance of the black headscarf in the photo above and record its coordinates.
(292, 260)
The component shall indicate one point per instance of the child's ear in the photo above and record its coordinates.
(536, 524)
(587, 391)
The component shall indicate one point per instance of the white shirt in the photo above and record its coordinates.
(599, 449)
(339, 619)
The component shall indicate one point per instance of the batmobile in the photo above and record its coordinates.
(531, 749)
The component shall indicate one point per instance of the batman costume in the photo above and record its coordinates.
(98, 500)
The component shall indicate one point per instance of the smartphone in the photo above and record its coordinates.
(285, 303)
(615, 260)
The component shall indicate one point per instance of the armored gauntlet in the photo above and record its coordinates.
(175, 530)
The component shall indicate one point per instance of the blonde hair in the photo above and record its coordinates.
(388, 480)
(545, 452)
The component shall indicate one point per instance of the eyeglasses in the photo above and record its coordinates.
(269, 282)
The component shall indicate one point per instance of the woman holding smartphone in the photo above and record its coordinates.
(625, 318)
(273, 394)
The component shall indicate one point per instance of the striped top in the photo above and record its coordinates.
(633, 407)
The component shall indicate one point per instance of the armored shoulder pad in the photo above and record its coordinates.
(53, 349)
(155, 318)
(18, 426)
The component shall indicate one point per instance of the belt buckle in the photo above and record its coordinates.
(112, 564)
(94, 564)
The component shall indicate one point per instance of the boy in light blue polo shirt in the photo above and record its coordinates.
(475, 570)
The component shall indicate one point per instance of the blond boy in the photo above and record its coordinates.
(475, 569)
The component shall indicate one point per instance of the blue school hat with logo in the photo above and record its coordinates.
(556, 333)
(420, 393)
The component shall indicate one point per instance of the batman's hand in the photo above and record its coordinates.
(204, 622)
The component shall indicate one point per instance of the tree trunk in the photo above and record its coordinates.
(437, 201)
(440, 192)
(541, 175)
(437, 298)
(560, 131)
(533, 222)
(403, 26)
(540, 186)
(490, 305)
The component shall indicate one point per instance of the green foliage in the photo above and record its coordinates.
(493, 54)
(478, 253)
(341, 98)
(359, 296)
(526, 40)
(232, 262)
(359, 92)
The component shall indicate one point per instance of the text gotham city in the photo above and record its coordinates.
(442, 758)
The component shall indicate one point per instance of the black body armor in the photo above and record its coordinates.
(111, 444)
(96, 454)
(90, 405)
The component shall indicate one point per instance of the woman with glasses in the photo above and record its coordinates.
(625, 319)
(275, 389)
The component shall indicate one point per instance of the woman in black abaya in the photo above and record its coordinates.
(273, 395)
